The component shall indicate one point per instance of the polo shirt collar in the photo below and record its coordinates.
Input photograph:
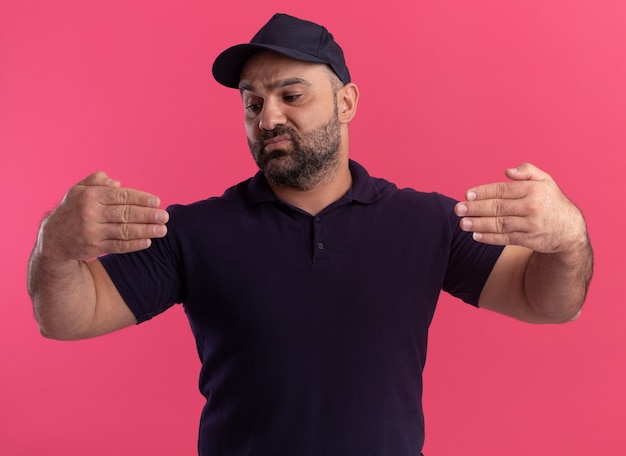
(363, 189)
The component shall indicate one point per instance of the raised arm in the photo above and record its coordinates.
(73, 296)
(544, 271)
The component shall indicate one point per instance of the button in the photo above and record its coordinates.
(320, 245)
(318, 219)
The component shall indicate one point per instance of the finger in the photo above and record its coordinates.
(120, 246)
(99, 178)
(527, 171)
(130, 231)
(497, 225)
(524, 172)
(113, 238)
(126, 196)
(494, 238)
(125, 213)
(498, 190)
(488, 208)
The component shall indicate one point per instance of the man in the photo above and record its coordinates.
(309, 287)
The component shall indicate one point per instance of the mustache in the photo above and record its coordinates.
(278, 131)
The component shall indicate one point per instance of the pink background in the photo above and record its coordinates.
(453, 92)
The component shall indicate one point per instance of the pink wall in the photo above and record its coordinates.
(452, 92)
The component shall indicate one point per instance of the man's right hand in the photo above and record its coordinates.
(74, 298)
(99, 216)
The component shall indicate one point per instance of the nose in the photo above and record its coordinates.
(271, 115)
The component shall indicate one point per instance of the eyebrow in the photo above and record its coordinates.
(243, 85)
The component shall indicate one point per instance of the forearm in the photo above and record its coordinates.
(63, 295)
(556, 284)
(62, 290)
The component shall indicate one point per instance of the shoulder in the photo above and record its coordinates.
(432, 203)
(427, 215)
(233, 198)
(370, 189)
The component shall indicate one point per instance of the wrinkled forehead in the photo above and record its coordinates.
(266, 67)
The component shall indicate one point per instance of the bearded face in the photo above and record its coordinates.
(307, 159)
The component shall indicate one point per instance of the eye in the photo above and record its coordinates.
(253, 107)
(291, 97)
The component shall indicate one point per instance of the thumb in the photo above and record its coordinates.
(527, 171)
(100, 178)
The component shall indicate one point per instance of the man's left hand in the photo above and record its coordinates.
(530, 211)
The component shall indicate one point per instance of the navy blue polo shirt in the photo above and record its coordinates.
(312, 330)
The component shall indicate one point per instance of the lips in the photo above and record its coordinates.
(276, 142)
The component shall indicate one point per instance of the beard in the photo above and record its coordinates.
(312, 158)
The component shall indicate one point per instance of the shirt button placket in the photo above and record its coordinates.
(319, 243)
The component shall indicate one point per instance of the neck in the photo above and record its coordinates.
(316, 199)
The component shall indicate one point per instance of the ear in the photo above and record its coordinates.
(347, 100)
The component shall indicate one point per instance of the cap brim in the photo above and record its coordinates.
(228, 65)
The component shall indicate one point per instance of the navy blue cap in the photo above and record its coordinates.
(286, 35)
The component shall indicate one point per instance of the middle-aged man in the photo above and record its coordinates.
(311, 286)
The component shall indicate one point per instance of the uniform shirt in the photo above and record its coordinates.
(312, 330)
